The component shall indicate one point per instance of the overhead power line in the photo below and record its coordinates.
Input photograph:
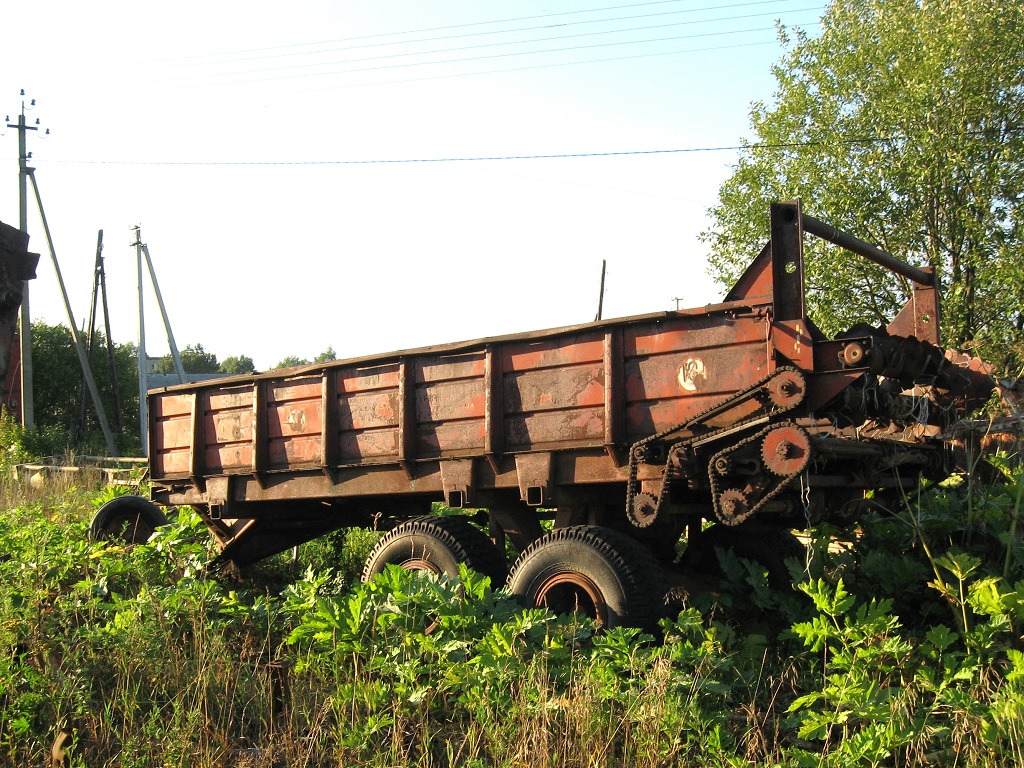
(486, 57)
(501, 158)
(530, 41)
(191, 60)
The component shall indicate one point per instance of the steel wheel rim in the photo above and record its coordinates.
(422, 564)
(571, 592)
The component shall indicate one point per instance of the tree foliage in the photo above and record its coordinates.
(58, 391)
(194, 359)
(903, 123)
(293, 360)
(237, 364)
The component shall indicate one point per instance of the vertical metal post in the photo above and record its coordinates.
(143, 405)
(600, 298)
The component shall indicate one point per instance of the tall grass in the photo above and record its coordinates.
(903, 649)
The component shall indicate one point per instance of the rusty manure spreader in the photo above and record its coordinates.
(628, 435)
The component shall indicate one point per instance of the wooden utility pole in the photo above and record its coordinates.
(600, 298)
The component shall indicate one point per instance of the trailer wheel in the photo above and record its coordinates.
(770, 547)
(596, 572)
(132, 519)
(438, 545)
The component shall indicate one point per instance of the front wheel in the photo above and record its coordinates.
(591, 571)
(132, 519)
(438, 545)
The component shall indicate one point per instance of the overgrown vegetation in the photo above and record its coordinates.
(900, 646)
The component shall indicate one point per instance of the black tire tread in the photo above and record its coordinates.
(469, 545)
(642, 579)
(124, 507)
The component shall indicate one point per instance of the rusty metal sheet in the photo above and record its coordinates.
(294, 389)
(228, 457)
(447, 400)
(369, 445)
(224, 400)
(553, 353)
(166, 406)
(299, 450)
(455, 438)
(548, 429)
(706, 372)
(294, 419)
(172, 433)
(450, 367)
(170, 462)
(370, 410)
(352, 380)
(577, 386)
(227, 426)
(693, 333)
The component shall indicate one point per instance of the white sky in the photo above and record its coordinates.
(237, 135)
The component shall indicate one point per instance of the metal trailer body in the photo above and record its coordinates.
(741, 412)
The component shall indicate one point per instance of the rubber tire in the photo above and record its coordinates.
(132, 519)
(770, 547)
(440, 542)
(624, 574)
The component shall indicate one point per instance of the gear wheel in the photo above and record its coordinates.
(733, 505)
(787, 388)
(644, 511)
(786, 450)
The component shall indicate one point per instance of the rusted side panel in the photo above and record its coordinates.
(171, 435)
(678, 369)
(368, 408)
(554, 353)
(294, 423)
(226, 416)
(450, 404)
(600, 387)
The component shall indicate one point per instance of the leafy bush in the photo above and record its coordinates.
(900, 646)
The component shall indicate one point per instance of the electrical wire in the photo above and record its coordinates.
(532, 41)
(184, 61)
(486, 57)
(501, 158)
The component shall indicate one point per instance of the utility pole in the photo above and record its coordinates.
(600, 297)
(25, 321)
(143, 384)
(141, 249)
(90, 381)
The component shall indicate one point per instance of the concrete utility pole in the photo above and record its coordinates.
(83, 359)
(141, 249)
(25, 322)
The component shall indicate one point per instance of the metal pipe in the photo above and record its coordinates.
(868, 251)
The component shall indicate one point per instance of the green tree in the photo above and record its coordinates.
(326, 356)
(903, 123)
(237, 364)
(194, 359)
(58, 392)
(291, 361)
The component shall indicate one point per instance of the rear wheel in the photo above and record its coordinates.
(591, 571)
(132, 519)
(437, 545)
